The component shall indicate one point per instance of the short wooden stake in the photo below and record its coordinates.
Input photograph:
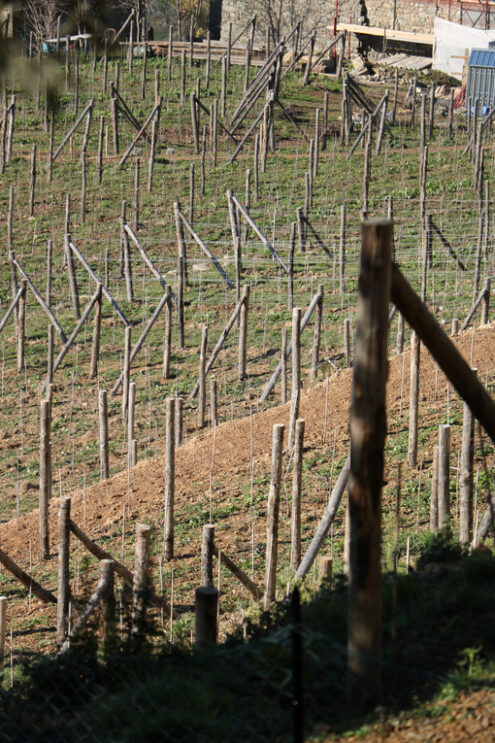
(179, 405)
(283, 372)
(434, 492)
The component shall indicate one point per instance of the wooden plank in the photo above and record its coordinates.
(387, 33)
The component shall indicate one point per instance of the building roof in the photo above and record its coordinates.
(482, 58)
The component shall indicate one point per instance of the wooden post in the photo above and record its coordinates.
(213, 402)
(206, 617)
(130, 422)
(169, 52)
(243, 334)
(182, 78)
(202, 378)
(21, 326)
(290, 274)
(208, 60)
(207, 555)
(342, 248)
(141, 584)
(126, 370)
(191, 193)
(368, 427)
(466, 484)
(295, 549)
(167, 338)
(179, 404)
(316, 145)
(99, 157)
(317, 336)
(45, 477)
(412, 446)
(272, 517)
(434, 492)
(74, 290)
(103, 434)
(347, 341)
(32, 184)
(194, 122)
(283, 373)
(49, 344)
(485, 307)
(296, 373)
(168, 529)
(63, 591)
(399, 346)
(107, 602)
(95, 346)
(3, 624)
(443, 475)
(151, 162)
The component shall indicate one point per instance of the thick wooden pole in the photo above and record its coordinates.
(443, 475)
(368, 428)
(295, 548)
(202, 378)
(272, 516)
(168, 528)
(466, 484)
(45, 477)
(141, 584)
(207, 540)
(412, 446)
(296, 373)
(103, 434)
(63, 592)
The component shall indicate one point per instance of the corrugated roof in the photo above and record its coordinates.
(482, 58)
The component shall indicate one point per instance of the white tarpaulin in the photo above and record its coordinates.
(451, 42)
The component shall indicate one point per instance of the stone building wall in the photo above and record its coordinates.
(411, 15)
(315, 14)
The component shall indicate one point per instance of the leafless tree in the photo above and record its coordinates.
(41, 18)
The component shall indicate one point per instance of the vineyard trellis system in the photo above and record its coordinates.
(269, 244)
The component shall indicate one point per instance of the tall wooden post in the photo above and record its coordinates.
(63, 592)
(466, 484)
(45, 477)
(272, 516)
(168, 528)
(296, 373)
(368, 428)
(141, 585)
(103, 434)
(443, 475)
(295, 545)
